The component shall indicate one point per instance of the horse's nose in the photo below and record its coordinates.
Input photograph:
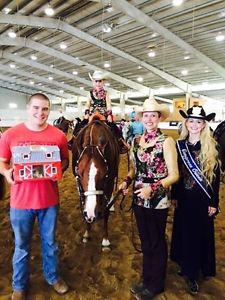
(88, 219)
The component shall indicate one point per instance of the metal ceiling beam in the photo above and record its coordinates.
(38, 88)
(43, 79)
(149, 22)
(23, 42)
(33, 64)
(63, 26)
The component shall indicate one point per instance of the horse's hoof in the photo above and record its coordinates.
(106, 248)
(85, 240)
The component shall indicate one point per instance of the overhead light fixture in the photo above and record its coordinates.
(31, 82)
(177, 2)
(63, 46)
(33, 57)
(81, 88)
(107, 65)
(220, 37)
(107, 27)
(6, 10)
(49, 11)
(50, 78)
(187, 57)
(109, 7)
(74, 72)
(139, 67)
(140, 79)
(151, 53)
(184, 72)
(61, 91)
(11, 34)
(12, 66)
(107, 84)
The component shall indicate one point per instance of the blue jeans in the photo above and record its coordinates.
(22, 221)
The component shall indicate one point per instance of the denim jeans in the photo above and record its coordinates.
(22, 221)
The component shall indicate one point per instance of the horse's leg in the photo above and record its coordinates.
(86, 236)
(105, 240)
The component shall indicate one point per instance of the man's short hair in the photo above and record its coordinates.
(39, 95)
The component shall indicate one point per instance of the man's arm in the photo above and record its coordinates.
(6, 170)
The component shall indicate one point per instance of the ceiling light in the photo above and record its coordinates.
(140, 79)
(74, 72)
(109, 8)
(81, 88)
(49, 11)
(33, 57)
(139, 67)
(11, 34)
(154, 34)
(220, 37)
(6, 10)
(177, 2)
(151, 53)
(187, 57)
(31, 82)
(61, 91)
(107, 27)
(50, 78)
(107, 65)
(63, 46)
(12, 66)
(107, 84)
(52, 66)
(184, 72)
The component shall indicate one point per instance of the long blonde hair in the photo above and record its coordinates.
(208, 154)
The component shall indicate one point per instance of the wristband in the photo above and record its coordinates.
(87, 112)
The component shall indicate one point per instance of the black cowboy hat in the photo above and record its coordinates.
(197, 112)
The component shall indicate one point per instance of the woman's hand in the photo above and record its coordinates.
(144, 192)
(123, 187)
(211, 210)
(174, 203)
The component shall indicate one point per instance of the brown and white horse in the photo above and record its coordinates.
(95, 165)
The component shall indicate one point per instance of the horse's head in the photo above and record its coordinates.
(92, 175)
(63, 124)
(95, 165)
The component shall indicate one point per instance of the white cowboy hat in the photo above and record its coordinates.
(98, 75)
(151, 104)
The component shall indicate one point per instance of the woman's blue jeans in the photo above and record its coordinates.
(22, 221)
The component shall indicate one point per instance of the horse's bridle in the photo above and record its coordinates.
(81, 191)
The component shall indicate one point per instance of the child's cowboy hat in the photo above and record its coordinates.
(151, 104)
(98, 75)
(197, 112)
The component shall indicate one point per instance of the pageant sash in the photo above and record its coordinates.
(191, 165)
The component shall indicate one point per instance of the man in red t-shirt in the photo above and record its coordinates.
(36, 198)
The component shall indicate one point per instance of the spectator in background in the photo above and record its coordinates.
(136, 129)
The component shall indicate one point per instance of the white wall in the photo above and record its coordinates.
(7, 96)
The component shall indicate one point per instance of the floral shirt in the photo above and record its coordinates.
(98, 101)
(150, 167)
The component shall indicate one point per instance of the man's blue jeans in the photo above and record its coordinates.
(22, 221)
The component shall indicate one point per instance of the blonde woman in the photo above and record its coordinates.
(196, 198)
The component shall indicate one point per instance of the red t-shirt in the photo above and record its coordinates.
(37, 194)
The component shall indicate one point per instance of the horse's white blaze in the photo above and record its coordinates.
(91, 199)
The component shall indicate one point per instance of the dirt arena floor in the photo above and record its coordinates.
(91, 273)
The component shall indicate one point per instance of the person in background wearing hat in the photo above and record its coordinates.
(195, 197)
(154, 171)
(99, 103)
